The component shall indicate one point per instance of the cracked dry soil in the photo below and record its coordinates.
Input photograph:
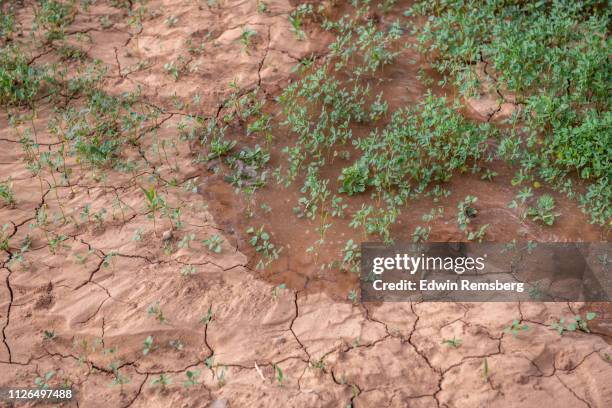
(94, 291)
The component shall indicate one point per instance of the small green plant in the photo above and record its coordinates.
(276, 290)
(171, 69)
(454, 342)
(176, 345)
(466, 211)
(7, 194)
(106, 22)
(351, 255)
(353, 296)
(171, 21)
(43, 382)
(188, 270)
(207, 318)
(221, 375)
(354, 179)
(4, 237)
(261, 7)
(544, 210)
(421, 234)
(319, 364)
(192, 378)
(137, 237)
(214, 243)
(56, 242)
(260, 240)
(147, 345)
(155, 310)
(296, 26)
(246, 37)
(515, 328)
(485, 370)
(49, 335)
(119, 378)
(220, 147)
(280, 377)
(578, 324)
(154, 203)
(163, 380)
(186, 241)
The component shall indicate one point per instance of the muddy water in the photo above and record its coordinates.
(301, 270)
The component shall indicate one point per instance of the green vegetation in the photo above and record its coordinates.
(147, 345)
(7, 194)
(578, 323)
(343, 141)
(543, 210)
(260, 241)
(454, 342)
(43, 382)
(552, 60)
(192, 378)
(20, 82)
(155, 310)
(515, 328)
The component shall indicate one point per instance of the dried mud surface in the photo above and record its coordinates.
(332, 353)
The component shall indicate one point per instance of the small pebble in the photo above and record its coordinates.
(167, 235)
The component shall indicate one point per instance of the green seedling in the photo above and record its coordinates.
(466, 212)
(421, 234)
(454, 342)
(106, 22)
(207, 318)
(155, 310)
(319, 364)
(353, 296)
(279, 374)
(137, 237)
(485, 370)
(260, 240)
(176, 345)
(49, 335)
(188, 270)
(246, 37)
(154, 203)
(544, 210)
(186, 241)
(577, 324)
(56, 243)
(221, 380)
(338, 207)
(276, 290)
(354, 179)
(147, 345)
(192, 378)
(261, 7)
(515, 328)
(43, 382)
(163, 380)
(7, 194)
(171, 21)
(351, 256)
(214, 243)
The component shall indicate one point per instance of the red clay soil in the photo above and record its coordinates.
(94, 291)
